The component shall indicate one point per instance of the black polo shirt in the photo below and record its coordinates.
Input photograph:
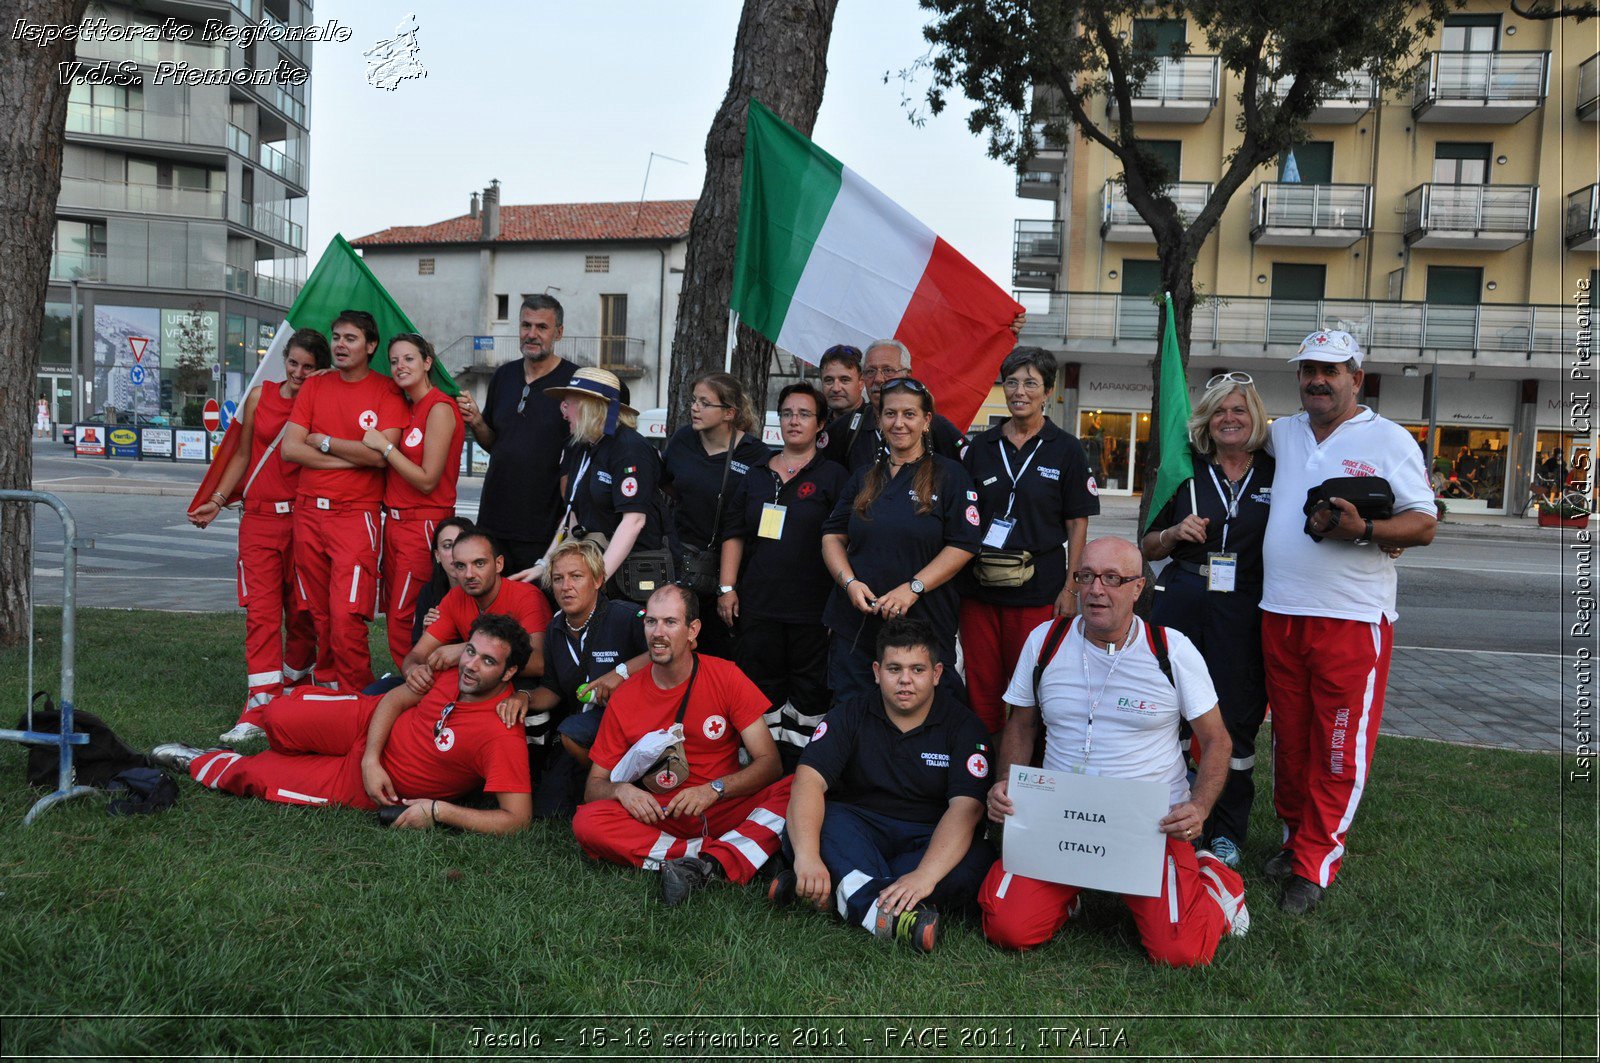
(622, 475)
(1245, 531)
(522, 489)
(695, 477)
(854, 443)
(907, 775)
(896, 543)
(613, 635)
(784, 579)
(1053, 486)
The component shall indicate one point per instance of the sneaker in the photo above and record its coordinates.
(683, 876)
(917, 927)
(241, 733)
(174, 756)
(1224, 849)
(1300, 896)
(1229, 900)
(1280, 867)
(781, 891)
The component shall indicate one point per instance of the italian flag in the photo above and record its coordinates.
(340, 281)
(824, 258)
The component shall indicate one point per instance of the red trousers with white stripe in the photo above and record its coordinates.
(739, 833)
(991, 641)
(1180, 928)
(336, 570)
(407, 565)
(315, 742)
(280, 642)
(1326, 679)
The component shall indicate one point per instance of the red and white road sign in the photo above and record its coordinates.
(211, 415)
(137, 344)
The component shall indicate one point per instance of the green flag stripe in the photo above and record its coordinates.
(788, 187)
(1176, 465)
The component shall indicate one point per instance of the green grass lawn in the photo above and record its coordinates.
(1463, 925)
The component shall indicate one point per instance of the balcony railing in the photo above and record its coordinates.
(1181, 79)
(277, 162)
(1353, 95)
(1589, 88)
(144, 199)
(161, 268)
(1582, 219)
(77, 265)
(1464, 211)
(134, 124)
(145, 52)
(1038, 184)
(243, 281)
(623, 355)
(1190, 197)
(1483, 78)
(1341, 211)
(239, 142)
(1038, 239)
(274, 225)
(1257, 322)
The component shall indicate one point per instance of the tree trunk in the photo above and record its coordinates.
(779, 57)
(33, 115)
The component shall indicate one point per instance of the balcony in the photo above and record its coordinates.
(143, 199)
(1582, 224)
(1301, 215)
(1036, 255)
(622, 355)
(1589, 89)
(1038, 184)
(281, 229)
(239, 142)
(1179, 89)
(1471, 217)
(285, 167)
(1480, 87)
(132, 124)
(1049, 152)
(1345, 102)
(77, 266)
(1271, 329)
(1120, 223)
(277, 290)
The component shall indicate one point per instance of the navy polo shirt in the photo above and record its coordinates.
(907, 775)
(1245, 531)
(894, 543)
(695, 478)
(1053, 485)
(784, 579)
(522, 489)
(854, 443)
(614, 634)
(622, 477)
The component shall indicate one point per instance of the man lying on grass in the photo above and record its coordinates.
(403, 748)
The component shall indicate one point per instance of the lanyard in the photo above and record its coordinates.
(1230, 498)
(1016, 478)
(577, 478)
(1094, 702)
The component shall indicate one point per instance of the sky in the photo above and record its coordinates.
(565, 102)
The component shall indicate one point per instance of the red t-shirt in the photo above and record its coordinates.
(724, 703)
(328, 404)
(278, 479)
(475, 746)
(399, 494)
(522, 602)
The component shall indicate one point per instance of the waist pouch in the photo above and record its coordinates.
(1371, 495)
(1003, 568)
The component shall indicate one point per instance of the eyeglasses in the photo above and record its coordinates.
(909, 383)
(1021, 384)
(1229, 378)
(888, 372)
(523, 402)
(438, 728)
(1110, 579)
(702, 404)
(795, 415)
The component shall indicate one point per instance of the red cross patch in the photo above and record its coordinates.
(807, 489)
(368, 419)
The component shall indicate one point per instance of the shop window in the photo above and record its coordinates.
(1470, 465)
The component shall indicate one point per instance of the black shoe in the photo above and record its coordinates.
(782, 892)
(917, 927)
(683, 876)
(1280, 867)
(1300, 896)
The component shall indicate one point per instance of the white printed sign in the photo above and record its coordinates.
(1087, 830)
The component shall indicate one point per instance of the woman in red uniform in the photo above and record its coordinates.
(420, 489)
(266, 535)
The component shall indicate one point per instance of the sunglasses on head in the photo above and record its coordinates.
(908, 383)
(1229, 379)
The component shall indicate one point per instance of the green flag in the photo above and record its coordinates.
(1173, 430)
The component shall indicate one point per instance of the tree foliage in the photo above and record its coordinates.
(1543, 11)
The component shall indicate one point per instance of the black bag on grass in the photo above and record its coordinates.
(94, 764)
(140, 792)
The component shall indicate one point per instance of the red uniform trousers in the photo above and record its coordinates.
(276, 659)
(407, 566)
(1200, 896)
(1326, 678)
(336, 568)
(739, 833)
(316, 740)
(991, 641)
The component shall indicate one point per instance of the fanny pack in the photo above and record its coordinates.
(642, 574)
(1003, 568)
(670, 769)
(1371, 495)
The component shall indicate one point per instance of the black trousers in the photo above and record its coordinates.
(1226, 629)
(789, 663)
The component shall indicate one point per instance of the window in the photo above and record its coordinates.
(502, 307)
(1456, 163)
(1159, 35)
(1140, 277)
(613, 329)
(1471, 33)
(425, 269)
(1313, 161)
(597, 263)
(1454, 285)
(1170, 152)
(1298, 281)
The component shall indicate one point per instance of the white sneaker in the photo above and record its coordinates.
(1232, 904)
(175, 756)
(242, 732)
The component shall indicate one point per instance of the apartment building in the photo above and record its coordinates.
(180, 227)
(1446, 222)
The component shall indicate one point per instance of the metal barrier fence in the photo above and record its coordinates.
(66, 786)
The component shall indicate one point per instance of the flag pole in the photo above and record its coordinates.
(733, 337)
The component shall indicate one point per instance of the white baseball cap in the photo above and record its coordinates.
(1329, 345)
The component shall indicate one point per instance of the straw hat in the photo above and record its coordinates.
(592, 383)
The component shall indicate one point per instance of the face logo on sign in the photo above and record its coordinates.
(666, 779)
(978, 766)
(368, 419)
(1094, 488)
(715, 727)
(972, 516)
(822, 729)
(807, 489)
(630, 487)
(446, 740)
(414, 437)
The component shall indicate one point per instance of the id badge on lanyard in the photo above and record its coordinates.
(1222, 567)
(999, 529)
(1222, 572)
(772, 518)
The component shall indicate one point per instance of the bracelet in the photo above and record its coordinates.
(386, 451)
(221, 498)
(846, 584)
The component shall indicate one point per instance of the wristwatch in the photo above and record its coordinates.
(386, 451)
(918, 587)
(622, 669)
(326, 445)
(726, 588)
(1365, 538)
(718, 786)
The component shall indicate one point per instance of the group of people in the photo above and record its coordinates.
(792, 686)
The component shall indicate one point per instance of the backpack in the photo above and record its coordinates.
(94, 764)
(1154, 634)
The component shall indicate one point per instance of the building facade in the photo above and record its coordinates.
(1449, 223)
(616, 268)
(180, 228)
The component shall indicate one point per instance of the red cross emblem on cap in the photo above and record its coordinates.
(1321, 337)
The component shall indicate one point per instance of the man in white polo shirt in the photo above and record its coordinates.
(1328, 606)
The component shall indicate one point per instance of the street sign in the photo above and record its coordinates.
(137, 344)
(211, 415)
(229, 409)
(216, 370)
(136, 374)
(483, 343)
